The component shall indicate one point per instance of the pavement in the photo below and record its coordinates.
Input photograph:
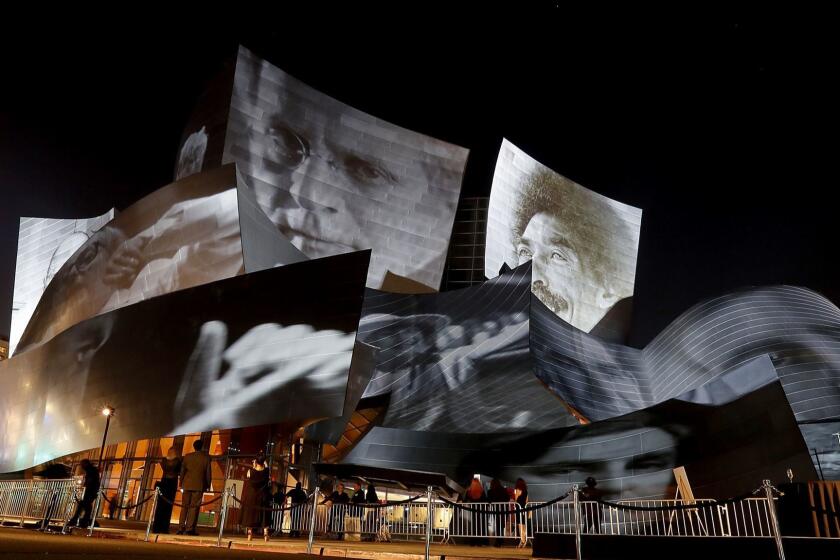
(28, 544)
(125, 543)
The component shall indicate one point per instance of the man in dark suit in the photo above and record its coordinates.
(195, 480)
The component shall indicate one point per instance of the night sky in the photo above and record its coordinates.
(724, 134)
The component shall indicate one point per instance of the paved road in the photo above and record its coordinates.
(28, 544)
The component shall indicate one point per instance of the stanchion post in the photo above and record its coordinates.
(152, 513)
(223, 517)
(576, 502)
(96, 505)
(774, 520)
(430, 511)
(312, 520)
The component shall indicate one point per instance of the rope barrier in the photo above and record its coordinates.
(378, 506)
(281, 508)
(495, 511)
(675, 507)
(389, 504)
(180, 504)
(114, 505)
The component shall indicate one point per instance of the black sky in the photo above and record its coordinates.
(724, 134)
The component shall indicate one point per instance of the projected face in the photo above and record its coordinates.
(583, 245)
(629, 461)
(555, 264)
(652, 466)
(334, 179)
(317, 220)
(567, 233)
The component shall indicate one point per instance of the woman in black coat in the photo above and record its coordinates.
(256, 498)
(168, 485)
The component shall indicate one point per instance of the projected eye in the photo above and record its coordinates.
(86, 257)
(525, 253)
(652, 462)
(557, 256)
(290, 148)
(364, 171)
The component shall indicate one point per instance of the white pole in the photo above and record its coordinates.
(429, 517)
(223, 516)
(312, 521)
(577, 521)
(96, 505)
(774, 520)
(152, 513)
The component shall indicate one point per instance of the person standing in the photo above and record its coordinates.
(478, 522)
(338, 503)
(498, 498)
(168, 485)
(520, 495)
(591, 512)
(374, 516)
(277, 498)
(298, 497)
(90, 483)
(195, 480)
(358, 512)
(256, 498)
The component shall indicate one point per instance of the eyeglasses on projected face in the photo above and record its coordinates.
(292, 149)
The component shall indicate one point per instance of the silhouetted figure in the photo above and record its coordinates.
(498, 496)
(338, 505)
(84, 507)
(297, 496)
(168, 484)
(520, 495)
(256, 497)
(374, 514)
(590, 512)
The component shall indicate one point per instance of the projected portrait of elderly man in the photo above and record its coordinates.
(582, 245)
(140, 255)
(334, 179)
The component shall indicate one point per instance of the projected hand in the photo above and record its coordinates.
(262, 361)
(125, 264)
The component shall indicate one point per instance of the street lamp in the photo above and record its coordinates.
(107, 412)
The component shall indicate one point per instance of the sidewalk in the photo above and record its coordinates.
(400, 550)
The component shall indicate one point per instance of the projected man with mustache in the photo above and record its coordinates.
(573, 238)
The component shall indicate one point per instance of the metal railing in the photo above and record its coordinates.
(425, 518)
(749, 517)
(46, 502)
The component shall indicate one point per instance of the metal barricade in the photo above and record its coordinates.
(501, 520)
(749, 517)
(692, 522)
(45, 502)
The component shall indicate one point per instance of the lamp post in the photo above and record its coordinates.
(107, 412)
